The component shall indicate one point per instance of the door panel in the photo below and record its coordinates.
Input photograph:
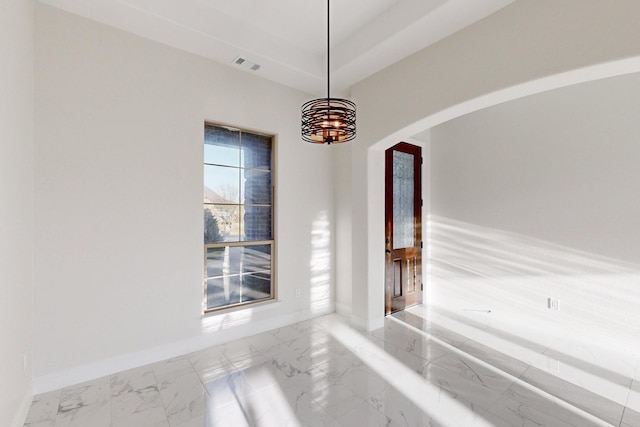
(397, 277)
(403, 227)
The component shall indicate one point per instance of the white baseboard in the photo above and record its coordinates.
(376, 322)
(110, 366)
(368, 325)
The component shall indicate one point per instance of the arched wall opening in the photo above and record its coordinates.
(528, 47)
(375, 157)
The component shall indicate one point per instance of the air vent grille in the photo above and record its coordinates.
(245, 63)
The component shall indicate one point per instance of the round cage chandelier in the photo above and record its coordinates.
(328, 120)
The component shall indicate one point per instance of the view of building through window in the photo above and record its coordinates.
(238, 216)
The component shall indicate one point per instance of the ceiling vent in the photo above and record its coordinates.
(245, 63)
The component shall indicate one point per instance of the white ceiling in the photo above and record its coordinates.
(288, 37)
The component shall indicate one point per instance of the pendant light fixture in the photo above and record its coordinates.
(328, 120)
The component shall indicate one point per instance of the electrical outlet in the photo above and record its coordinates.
(553, 304)
(298, 292)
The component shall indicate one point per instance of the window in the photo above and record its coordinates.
(238, 217)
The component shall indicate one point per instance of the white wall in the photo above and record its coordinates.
(16, 208)
(342, 190)
(561, 166)
(118, 193)
(538, 198)
(528, 47)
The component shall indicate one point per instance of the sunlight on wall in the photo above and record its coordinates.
(320, 292)
(472, 267)
(494, 286)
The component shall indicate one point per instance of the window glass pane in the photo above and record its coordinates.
(212, 231)
(221, 146)
(238, 206)
(215, 259)
(256, 286)
(221, 184)
(256, 151)
(224, 261)
(256, 187)
(229, 221)
(403, 197)
(223, 291)
(256, 259)
(257, 223)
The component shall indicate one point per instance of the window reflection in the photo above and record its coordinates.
(238, 274)
(221, 146)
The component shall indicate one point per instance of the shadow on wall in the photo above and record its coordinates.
(477, 268)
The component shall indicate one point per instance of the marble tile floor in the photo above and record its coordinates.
(321, 372)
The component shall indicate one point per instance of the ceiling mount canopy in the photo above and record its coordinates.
(328, 120)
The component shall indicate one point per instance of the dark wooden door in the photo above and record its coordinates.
(403, 227)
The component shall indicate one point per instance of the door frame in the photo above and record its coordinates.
(390, 252)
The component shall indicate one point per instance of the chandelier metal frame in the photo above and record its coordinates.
(328, 120)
